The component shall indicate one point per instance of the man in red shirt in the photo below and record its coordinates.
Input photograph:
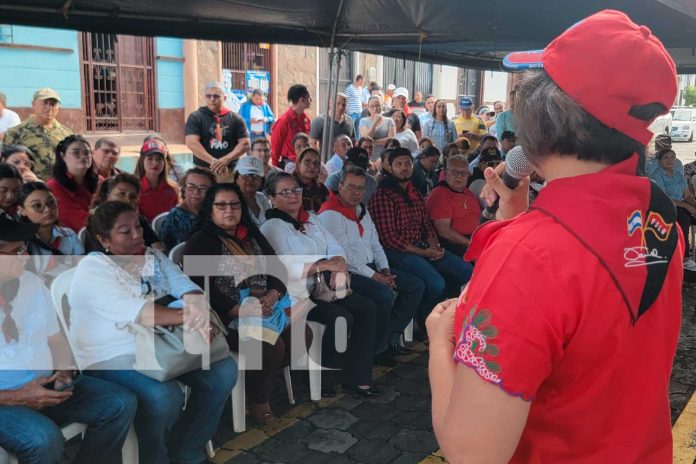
(453, 208)
(561, 347)
(289, 124)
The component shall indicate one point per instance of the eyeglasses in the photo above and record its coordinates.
(19, 251)
(224, 205)
(492, 163)
(289, 192)
(251, 177)
(212, 96)
(29, 164)
(40, 207)
(458, 173)
(355, 188)
(193, 188)
(310, 163)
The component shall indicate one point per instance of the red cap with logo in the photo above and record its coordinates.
(608, 64)
(153, 146)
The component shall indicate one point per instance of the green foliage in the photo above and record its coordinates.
(690, 96)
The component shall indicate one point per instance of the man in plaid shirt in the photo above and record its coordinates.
(409, 238)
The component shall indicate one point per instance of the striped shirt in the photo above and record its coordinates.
(354, 100)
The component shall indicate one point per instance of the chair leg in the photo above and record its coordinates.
(314, 364)
(239, 404)
(408, 332)
(209, 450)
(288, 385)
(129, 452)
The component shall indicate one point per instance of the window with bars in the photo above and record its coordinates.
(242, 57)
(6, 33)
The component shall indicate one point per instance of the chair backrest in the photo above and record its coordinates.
(82, 235)
(177, 254)
(157, 222)
(59, 289)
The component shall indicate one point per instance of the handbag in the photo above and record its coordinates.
(166, 352)
(320, 289)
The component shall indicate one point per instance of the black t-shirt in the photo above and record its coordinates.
(219, 134)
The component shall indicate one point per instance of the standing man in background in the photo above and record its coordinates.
(216, 136)
(289, 124)
(257, 115)
(8, 118)
(41, 131)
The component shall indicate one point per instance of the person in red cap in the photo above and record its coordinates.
(157, 196)
(560, 348)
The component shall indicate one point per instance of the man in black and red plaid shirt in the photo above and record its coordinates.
(409, 238)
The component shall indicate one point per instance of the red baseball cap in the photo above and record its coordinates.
(153, 146)
(607, 64)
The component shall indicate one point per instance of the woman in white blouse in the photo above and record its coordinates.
(406, 137)
(133, 284)
(292, 231)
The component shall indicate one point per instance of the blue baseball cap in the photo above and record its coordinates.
(466, 102)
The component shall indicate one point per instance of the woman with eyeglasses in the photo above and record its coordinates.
(157, 196)
(177, 226)
(225, 228)
(132, 283)
(297, 234)
(74, 181)
(248, 176)
(125, 188)
(377, 126)
(37, 204)
(307, 167)
(22, 158)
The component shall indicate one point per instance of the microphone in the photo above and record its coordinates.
(517, 166)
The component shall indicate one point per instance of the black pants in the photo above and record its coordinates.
(359, 314)
(685, 220)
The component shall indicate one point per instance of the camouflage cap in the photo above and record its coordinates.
(46, 94)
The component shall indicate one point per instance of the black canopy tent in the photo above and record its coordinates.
(467, 33)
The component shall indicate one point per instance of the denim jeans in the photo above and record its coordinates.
(392, 316)
(443, 278)
(165, 432)
(35, 437)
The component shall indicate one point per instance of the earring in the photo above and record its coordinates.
(107, 249)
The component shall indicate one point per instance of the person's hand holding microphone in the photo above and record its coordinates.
(507, 186)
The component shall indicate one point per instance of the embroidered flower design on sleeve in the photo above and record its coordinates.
(474, 344)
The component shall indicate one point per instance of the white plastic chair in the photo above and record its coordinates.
(59, 288)
(176, 255)
(476, 187)
(157, 222)
(315, 360)
(408, 332)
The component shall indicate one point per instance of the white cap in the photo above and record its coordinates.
(391, 87)
(401, 92)
(249, 165)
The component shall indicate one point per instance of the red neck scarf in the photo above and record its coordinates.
(334, 204)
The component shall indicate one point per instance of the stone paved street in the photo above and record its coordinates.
(395, 428)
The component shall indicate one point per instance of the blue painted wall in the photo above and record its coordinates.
(170, 74)
(25, 71)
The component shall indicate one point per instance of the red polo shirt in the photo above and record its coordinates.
(156, 201)
(461, 207)
(575, 306)
(285, 128)
(73, 207)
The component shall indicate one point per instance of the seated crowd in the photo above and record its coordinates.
(381, 229)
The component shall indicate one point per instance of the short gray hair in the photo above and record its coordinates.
(353, 171)
(457, 159)
(549, 121)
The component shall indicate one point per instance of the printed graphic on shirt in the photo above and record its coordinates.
(218, 132)
(475, 343)
(655, 225)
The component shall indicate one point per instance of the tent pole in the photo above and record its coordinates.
(332, 87)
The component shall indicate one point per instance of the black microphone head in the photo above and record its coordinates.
(517, 165)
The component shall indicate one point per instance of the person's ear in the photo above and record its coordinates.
(105, 243)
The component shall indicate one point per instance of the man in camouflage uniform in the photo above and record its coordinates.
(41, 132)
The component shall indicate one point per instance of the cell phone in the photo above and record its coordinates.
(76, 378)
(465, 132)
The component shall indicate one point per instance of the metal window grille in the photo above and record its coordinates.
(242, 57)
